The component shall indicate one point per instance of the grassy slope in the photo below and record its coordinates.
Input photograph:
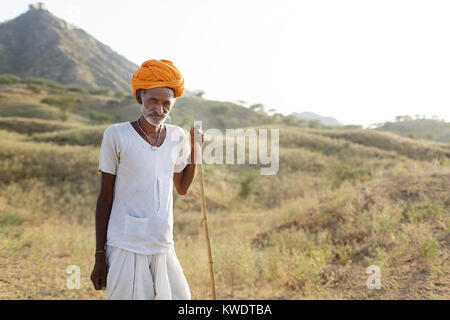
(412, 148)
(339, 203)
(50, 103)
(420, 128)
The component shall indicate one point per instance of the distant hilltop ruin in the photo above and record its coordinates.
(38, 6)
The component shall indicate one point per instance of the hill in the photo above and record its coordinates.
(40, 98)
(415, 149)
(429, 129)
(327, 121)
(39, 44)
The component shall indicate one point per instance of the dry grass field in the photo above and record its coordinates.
(341, 201)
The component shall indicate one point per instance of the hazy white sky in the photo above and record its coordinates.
(359, 61)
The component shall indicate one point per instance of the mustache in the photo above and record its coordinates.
(154, 113)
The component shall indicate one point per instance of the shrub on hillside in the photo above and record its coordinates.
(316, 141)
(221, 109)
(63, 103)
(34, 87)
(9, 79)
(112, 103)
(31, 110)
(103, 91)
(348, 172)
(79, 136)
(30, 125)
(248, 183)
(417, 150)
(120, 95)
(100, 117)
(76, 89)
(51, 164)
(43, 82)
(295, 159)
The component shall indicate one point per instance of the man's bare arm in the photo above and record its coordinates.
(102, 214)
(103, 211)
(182, 180)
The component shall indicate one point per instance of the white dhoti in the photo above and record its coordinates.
(133, 276)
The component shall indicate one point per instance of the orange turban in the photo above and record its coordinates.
(158, 73)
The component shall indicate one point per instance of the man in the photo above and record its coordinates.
(135, 256)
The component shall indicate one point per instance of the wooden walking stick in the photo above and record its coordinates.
(198, 153)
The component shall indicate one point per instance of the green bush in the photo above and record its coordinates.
(294, 159)
(103, 91)
(31, 126)
(63, 116)
(49, 163)
(51, 101)
(42, 82)
(9, 79)
(120, 95)
(112, 103)
(248, 183)
(221, 109)
(348, 172)
(63, 103)
(54, 85)
(34, 87)
(76, 89)
(36, 81)
(31, 110)
(100, 117)
(79, 136)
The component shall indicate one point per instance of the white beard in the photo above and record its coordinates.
(156, 122)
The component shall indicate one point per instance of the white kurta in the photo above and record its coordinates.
(140, 230)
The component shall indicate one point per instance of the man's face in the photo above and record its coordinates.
(156, 103)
